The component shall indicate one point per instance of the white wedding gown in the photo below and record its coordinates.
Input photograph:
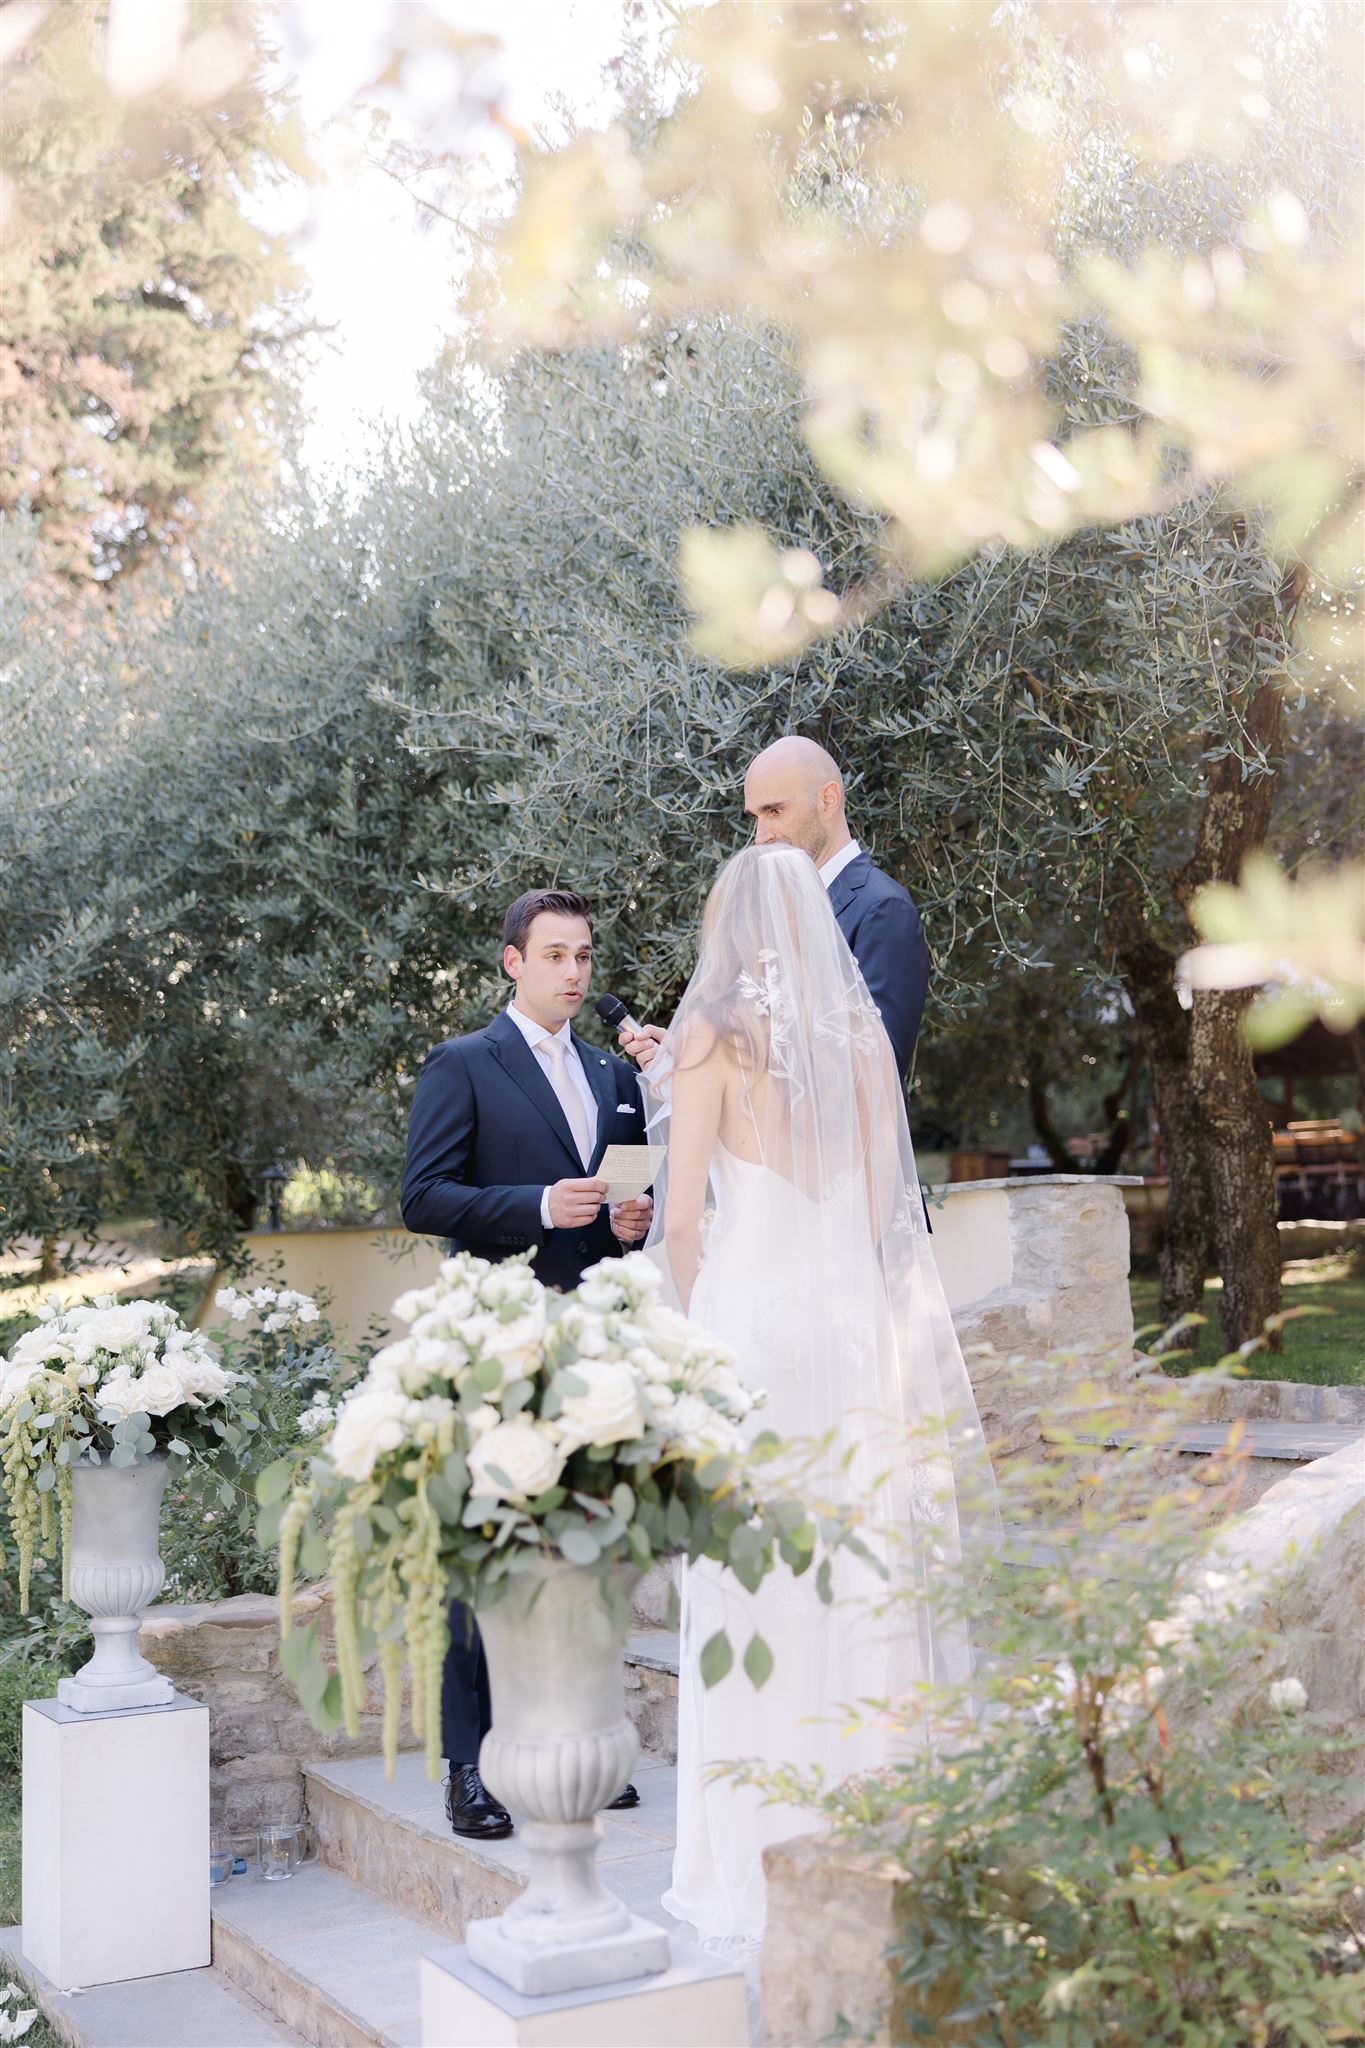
(765, 1289)
(818, 1273)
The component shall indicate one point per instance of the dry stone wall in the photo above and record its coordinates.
(1068, 1267)
(227, 1654)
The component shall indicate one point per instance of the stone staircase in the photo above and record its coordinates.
(330, 1957)
(333, 1955)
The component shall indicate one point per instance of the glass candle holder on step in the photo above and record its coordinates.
(282, 1846)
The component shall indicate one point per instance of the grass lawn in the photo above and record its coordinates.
(1325, 1347)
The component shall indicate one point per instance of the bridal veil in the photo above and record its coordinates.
(817, 1267)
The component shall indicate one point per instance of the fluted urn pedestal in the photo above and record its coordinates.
(116, 1571)
(560, 1749)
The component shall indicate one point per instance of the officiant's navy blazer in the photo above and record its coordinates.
(887, 940)
(487, 1136)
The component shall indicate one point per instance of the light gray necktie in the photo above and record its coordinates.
(555, 1052)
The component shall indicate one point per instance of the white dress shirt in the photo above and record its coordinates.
(839, 862)
(533, 1033)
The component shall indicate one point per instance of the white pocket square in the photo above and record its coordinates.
(626, 1109)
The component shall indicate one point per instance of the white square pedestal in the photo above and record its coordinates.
(641, 1950)
(116, 1842)
(696, 2003)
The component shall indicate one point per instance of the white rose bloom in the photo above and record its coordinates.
(159, 1389)
(650, 1366)
(699, 1430)
(1288, 1695)
(412, 1362)
(121, 1391)
(18, 1378)
(668, 1332)
(263, 1297)
(599, 1293)
(301, 1307)
(525, 1452)
(640, 1272)
(516, 1345)
(585, 1331)
(447, 1314)
(319, 1416)
(464, 1269)
(512, 1288)
(718, 1379)
(40, 1347)
(414, 1303)
(609, 1411)
(123, 1328)
(236, 1307)
(375, 1418)
(478, 1421)
(204, 1378)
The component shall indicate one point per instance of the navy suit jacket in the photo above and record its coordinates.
(487, 1136)
(887, 940)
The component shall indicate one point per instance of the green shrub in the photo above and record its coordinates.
(326, 1194)
(1108, 1846)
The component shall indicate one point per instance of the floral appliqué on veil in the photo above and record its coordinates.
(771, 999)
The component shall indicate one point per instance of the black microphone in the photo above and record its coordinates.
(614, 1014)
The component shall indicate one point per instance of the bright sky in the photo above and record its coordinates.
(374, 273)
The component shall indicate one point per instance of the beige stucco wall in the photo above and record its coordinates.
(361, 1271)
(971, 1226)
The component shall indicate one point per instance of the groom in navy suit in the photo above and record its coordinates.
(508, 1127)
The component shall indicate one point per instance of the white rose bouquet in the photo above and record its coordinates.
(102, 1381)
(510, 1425)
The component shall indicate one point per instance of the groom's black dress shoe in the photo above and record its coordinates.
(623, 1801)
(471, 1808)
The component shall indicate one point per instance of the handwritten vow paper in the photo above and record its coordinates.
(629, 1169)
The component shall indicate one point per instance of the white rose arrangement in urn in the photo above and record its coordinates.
(96, 1402)
(531, 1454)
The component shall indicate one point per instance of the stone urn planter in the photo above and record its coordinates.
(560, 1748)
(116, 1571)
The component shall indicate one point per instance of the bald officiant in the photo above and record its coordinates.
(794, 792)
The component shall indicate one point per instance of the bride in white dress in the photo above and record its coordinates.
(790, 1221)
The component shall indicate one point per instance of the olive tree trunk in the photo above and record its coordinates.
(1233, 1116)
(1147, 969)
(1234, 1121)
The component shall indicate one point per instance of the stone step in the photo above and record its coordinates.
(393, 1839)
(1296, 1443)
(651, 1675)
(337, 1965)
(1266, 1450)
(186, 2009)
